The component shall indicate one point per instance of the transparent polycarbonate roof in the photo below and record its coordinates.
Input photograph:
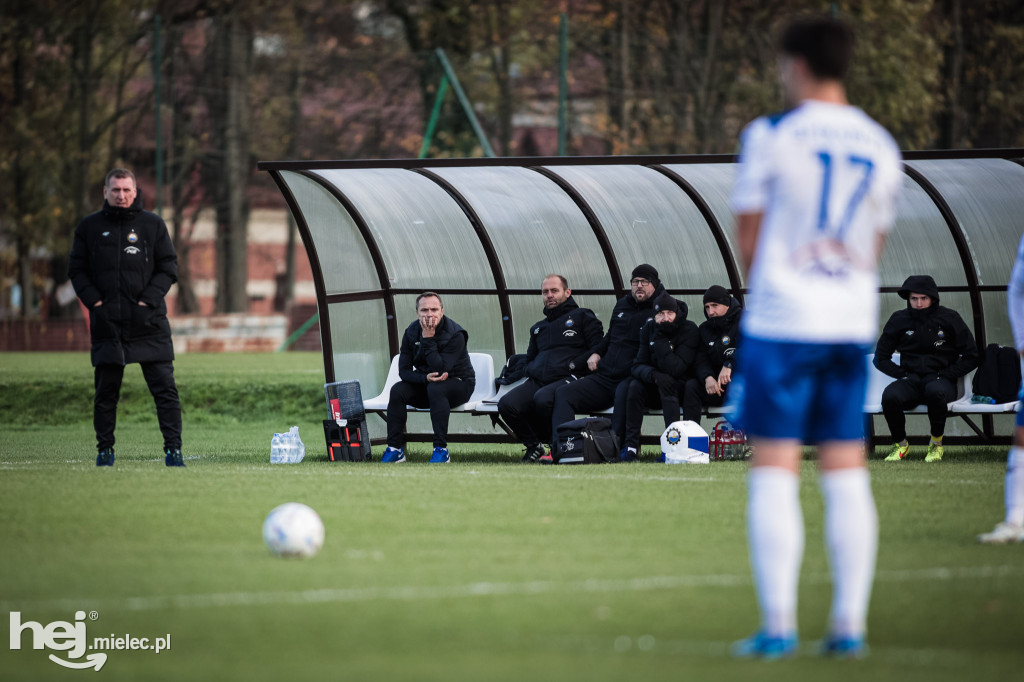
(484, 235)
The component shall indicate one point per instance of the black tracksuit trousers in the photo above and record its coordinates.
(439, 396)
(160, 380)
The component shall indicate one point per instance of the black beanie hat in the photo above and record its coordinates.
(666, 302)
(717, 294)
(647, 272)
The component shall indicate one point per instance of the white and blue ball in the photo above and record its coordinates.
(293, 529)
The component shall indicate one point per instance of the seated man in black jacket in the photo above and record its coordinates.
(716, 355)
(936, 348)
(436, 373)
(612, 359)
(559, 347)
(668, 347)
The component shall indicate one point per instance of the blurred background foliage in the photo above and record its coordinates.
(241, 81)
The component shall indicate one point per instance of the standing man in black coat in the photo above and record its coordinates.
(716, 355)
(668, 347)
(436, 373)
(936, 348)
(122, 264)
(559, 347)
(611, 361)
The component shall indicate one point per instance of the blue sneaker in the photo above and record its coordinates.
(105, 458)
(628, 455)
(440, 456)
(393, 455)
(760, 645)
(172, 457)
(836, 646)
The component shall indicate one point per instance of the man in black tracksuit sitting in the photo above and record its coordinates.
(612, 359)
(716, 355)
(436, 372)
(559, 347)
(668, 347)
(936, 348)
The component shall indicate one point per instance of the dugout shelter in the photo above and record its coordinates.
(483, 233)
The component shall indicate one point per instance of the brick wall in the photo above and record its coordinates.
(44, 335)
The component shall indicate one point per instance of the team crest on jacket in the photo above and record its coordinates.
(132, 250)
(941, 334)
(569, 322)
(132, 237)
(726, 340)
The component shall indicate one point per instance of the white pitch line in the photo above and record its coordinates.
(480, 589)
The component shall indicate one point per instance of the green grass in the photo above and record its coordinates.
(482, 570)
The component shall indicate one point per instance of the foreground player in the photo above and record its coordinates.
(814, 201)
(1012, 527)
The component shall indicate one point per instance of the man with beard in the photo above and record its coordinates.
(716, 354)
(668, 346)
(936, 348)
(612, 359)
(559, 347)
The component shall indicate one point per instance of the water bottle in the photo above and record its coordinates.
(732, 448)
(298, 448)
(277, 453)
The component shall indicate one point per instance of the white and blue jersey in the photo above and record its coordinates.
(825, 178)
(1015, 298)
(1015, 303)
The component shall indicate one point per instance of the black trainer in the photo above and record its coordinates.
(105, 458)
(172, 457)
(533, 454)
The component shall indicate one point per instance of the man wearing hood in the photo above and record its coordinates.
(612, 359)
(936, 348)
(122, 263)
(716, 354)
(436, 373)
(663, 363)
(559, 347)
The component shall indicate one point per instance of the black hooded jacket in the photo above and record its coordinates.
(620, 344)
(445, 351)
(123, 256)
(931, 341)
(670, 348)
(718, 339)
(560, 343)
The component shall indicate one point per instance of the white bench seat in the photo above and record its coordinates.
(483, 366)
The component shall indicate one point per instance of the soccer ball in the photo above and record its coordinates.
(293, 529)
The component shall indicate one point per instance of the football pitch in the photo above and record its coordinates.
(484, 569)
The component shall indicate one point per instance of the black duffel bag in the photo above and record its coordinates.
(586, 441)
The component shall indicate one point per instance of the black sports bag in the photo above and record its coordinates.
(586, 441)
(998, 375)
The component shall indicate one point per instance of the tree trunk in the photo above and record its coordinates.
(231, 166)
(951, 128)
(180, 164)
(292, 152)
(501, 55)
